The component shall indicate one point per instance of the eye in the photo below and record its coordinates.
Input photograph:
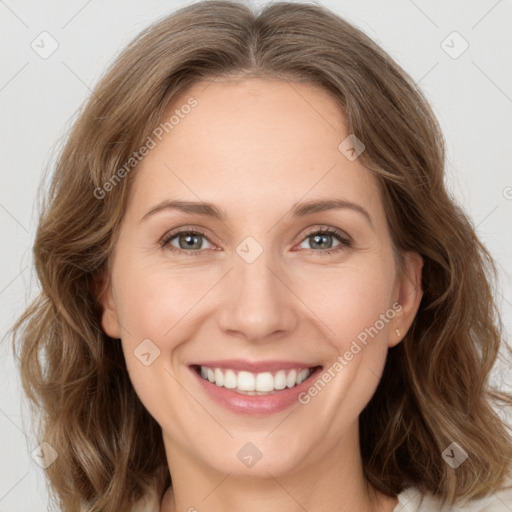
(323, 240)
(190, 242)
(185, 241)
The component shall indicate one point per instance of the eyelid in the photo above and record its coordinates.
(183, 229)
(327, 229)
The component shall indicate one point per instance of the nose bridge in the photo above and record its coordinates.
(257, 301)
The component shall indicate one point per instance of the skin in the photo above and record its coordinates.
(255, 148)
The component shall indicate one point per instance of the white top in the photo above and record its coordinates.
(410, 500)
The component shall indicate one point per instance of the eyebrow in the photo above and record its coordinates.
(298, 210)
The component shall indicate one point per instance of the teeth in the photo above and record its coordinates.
(219, 377)
(255, 384)
(230, 380)
(264, 382)
(280, 380)
(246, 381)
(303, 375)
(291, 380)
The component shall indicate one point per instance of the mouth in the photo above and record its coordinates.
(253, 383)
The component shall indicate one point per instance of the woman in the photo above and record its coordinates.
(203, 349)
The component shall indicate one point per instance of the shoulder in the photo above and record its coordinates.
(412, 500)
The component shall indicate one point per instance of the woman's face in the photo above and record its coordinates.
(240, 278)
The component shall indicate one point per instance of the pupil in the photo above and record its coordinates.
(319, 238)
(190, 241)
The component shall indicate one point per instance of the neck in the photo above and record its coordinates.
(332, 481)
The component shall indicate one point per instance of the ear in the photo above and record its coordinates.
(103, 292)
(409, 292)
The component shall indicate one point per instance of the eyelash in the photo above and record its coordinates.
(343, 238)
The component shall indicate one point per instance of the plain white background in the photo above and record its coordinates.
(471, 94)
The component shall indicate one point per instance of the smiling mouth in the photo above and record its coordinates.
(250, 383)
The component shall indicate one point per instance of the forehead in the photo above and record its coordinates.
(252, 143)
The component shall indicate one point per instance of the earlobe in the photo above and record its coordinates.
(410, 293)
(103, 292)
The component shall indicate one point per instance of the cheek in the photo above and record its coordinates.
(159, 306)
(153, 301)
(153, 307)
(351, 300)
(355, 303)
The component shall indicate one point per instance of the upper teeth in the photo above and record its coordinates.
(254, 383)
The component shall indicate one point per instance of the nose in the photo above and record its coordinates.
(258, 302)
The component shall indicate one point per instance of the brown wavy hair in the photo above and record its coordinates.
(435, 387)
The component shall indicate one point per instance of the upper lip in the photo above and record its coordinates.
(254, 366)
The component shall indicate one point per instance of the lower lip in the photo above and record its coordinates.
(255, 404)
